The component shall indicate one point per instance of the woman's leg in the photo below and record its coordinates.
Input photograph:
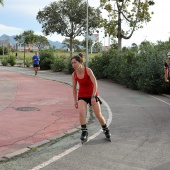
(97, 111)
(82, 107)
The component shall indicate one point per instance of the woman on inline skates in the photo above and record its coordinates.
(87, 94)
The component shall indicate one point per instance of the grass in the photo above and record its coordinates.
(30, 54)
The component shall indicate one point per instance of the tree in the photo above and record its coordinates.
(41, 41)
(90, 43)
(4, 43)
(98, 46)
(134, 13)
(27, 37)
(68, 18)
(1, 2)
(134, 47)
(75, 43)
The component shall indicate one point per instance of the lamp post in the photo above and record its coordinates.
(3, 47)
(87, 32)
(145, 38)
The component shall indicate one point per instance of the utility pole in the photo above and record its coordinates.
(87, 32)
(3, 48)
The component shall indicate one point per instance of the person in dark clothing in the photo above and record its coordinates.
(36, 63)
(167, 68)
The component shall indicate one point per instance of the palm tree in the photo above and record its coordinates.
(1, 2)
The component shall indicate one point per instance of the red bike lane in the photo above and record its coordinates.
(33, 110)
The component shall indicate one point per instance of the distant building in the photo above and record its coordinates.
(28, 47)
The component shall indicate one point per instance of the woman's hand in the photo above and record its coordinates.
(76, 105)
(93, 101)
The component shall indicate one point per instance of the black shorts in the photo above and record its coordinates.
(88, 100)
(36, 65)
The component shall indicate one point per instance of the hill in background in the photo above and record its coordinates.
(12, 41)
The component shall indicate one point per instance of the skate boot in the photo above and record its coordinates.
(84, 135)
(107, 133)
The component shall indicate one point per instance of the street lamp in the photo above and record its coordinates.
(87, 32)
(3, 47)
(145, 38)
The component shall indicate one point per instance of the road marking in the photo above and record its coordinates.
(57, 157)
(160, 100)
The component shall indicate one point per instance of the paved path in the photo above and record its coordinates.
(140, 132)
(33, 109)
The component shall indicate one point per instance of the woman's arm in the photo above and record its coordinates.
(166, 72)
(74, 83)
(93, 79)
(166, 75)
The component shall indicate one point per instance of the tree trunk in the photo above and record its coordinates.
(71, 46)
(119, 36)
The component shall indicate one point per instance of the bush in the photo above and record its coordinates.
(127, 69)
(99, 64)
(46, 59)
(68, 66)
(5, 50)
(151, 73)
(4, 62)
(141, 70)
(11, 60)
(114, 66)
(58, 64)
(28, 62)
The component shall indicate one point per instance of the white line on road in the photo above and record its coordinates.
(160, 100)
(57, 157)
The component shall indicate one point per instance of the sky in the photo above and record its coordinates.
(17, 16)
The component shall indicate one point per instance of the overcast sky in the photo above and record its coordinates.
(19, 15)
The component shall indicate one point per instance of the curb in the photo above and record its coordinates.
(166, 95)
(41, 143)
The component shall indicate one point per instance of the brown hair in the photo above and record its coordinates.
(168, 60)
(79, 58)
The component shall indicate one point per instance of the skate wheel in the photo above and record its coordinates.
(109, 139)
(84, 141)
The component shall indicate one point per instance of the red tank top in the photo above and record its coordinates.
(85, 85)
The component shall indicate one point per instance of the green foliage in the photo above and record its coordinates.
(4, 62)
(60, 17)
(90, 43)
(5, 50)
(28, 62)
(11, 60)
(46, 59)
(68, 66)
(151, 73)
(26, 37)
(67, 17)
(139, 68)
(126, 17)
(58, 64)
(1, 2)
(98, 46)
(62, 63)
(99, 65)
(41, 41)
(114, 66)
